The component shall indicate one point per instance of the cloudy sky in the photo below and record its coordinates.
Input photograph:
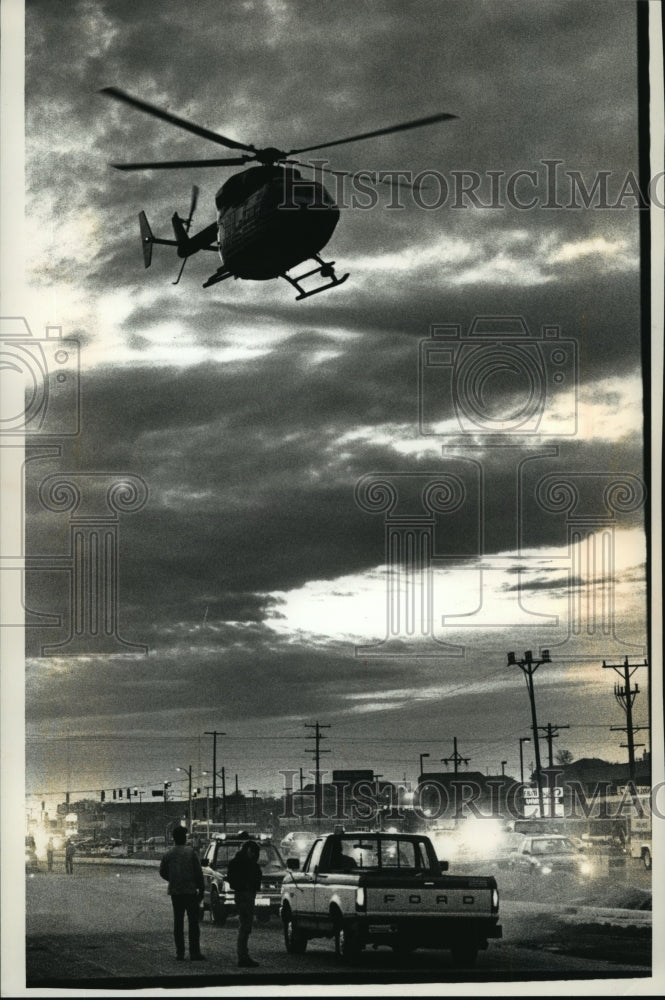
(256, 571)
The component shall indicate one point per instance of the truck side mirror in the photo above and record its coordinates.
(293, 864)
(443, 866)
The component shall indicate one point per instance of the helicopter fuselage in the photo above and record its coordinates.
(270, 220)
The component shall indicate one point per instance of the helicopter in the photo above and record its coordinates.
(268, 219)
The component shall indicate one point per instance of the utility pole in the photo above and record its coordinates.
(523, 740)
(224, 798)
(214, 735)
(189, 793)
(528, 666)
(551, 733)
(317, 751)
(302, 800)
(456, 758)
(625, 696)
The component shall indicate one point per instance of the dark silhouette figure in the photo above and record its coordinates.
(245, 879)
(181, 868)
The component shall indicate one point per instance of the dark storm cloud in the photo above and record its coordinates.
(255, 671)
(252, 479)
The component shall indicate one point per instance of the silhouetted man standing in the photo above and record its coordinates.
(181, 868)
(245, 879)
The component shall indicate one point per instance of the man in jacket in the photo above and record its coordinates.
(70, 850)
(244, 876)
(181, 868)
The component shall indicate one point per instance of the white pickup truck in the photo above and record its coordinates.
(386, 889)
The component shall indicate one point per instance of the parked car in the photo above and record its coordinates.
(552, 855)
(219, 897)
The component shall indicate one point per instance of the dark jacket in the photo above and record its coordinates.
(181, 868)
(244, 873)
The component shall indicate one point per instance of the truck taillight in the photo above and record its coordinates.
(361, 898)
(495, 900)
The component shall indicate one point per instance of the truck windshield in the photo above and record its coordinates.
(380, 852)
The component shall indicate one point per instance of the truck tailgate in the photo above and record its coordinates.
(450, 896)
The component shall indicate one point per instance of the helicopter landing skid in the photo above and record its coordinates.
(326, 270)
(220, 275)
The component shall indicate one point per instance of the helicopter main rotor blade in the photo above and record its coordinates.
(417, 123)
(179, 164)
(151, 109)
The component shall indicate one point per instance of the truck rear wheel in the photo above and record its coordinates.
(347, 946)
(464, 954)
(646, 858)
(294, 939)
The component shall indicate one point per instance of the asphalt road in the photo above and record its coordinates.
(110, 926)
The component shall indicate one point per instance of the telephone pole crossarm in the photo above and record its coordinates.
(625, 695)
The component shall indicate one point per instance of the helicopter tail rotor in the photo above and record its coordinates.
(181, 229)
(192, 206)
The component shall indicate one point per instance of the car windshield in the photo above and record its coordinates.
(548, 845)
(379, 852)
(269, 857)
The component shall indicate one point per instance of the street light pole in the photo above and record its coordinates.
(523, 740)
(189, 794)
(503, 768)
(528, 666)
(422, 757)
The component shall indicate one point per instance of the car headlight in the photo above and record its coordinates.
(586, 868)
(546, 870)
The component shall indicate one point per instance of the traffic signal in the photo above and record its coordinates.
(115, 794)
(129, 793)
(102, 795)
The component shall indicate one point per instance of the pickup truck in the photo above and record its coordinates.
(386, 889)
